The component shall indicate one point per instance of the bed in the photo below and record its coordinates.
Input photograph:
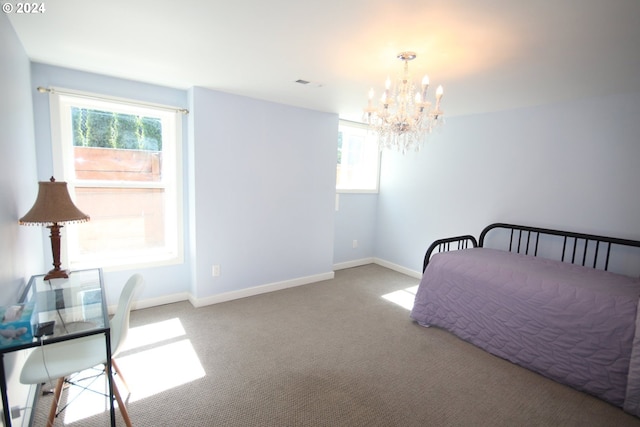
(562, 304)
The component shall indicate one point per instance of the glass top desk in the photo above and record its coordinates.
(76, 306)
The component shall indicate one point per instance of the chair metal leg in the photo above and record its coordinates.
(56, 399)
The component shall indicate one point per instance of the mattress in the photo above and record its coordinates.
(573, 324)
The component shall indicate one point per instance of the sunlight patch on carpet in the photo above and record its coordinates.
(160, 368)
(403, 297)
(153, 333)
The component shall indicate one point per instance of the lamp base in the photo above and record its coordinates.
(57, 274)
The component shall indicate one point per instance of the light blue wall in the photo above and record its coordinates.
(163, 284)
(263, 190)
(569, 166)
(355, 219)
(20, 246)
(259, 183)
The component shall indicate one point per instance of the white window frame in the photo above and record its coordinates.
(372, 142)
(172, 253)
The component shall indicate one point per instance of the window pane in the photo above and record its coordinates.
(122, 219)
(122, 160)
(111, 164)
(109, 129)
(358, 159)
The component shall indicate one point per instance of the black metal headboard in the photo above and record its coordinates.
(588, 250)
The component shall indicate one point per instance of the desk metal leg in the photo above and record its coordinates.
(3, 388)
(108, 368)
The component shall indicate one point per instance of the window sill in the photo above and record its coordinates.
(110, 265)
(350, 191)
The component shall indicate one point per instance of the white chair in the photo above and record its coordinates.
(65, 358)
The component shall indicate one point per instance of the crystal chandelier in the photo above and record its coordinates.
(404, 117)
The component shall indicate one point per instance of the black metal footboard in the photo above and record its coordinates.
(444, 245)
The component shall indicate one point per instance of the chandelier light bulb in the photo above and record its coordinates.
(439, 93)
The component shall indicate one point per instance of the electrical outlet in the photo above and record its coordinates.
(215, 270)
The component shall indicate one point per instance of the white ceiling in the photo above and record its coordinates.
(489, 55)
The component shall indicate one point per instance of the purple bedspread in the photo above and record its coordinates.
(570, 323)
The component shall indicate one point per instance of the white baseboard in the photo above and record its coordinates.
(398, 268)
(269, 287)
(154, 302)
(380, 262)
(167, 299)
(354, 263)
(262, 289)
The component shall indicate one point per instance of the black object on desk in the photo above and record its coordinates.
(44, 328)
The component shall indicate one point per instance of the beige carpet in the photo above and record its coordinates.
(333, 353)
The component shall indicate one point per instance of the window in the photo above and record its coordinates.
(121, 161)
(358, 159)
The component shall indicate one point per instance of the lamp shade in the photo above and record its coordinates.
(53, 205)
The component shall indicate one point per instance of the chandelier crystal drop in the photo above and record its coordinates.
(404, 117)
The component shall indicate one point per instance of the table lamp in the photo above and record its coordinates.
(53, 207)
